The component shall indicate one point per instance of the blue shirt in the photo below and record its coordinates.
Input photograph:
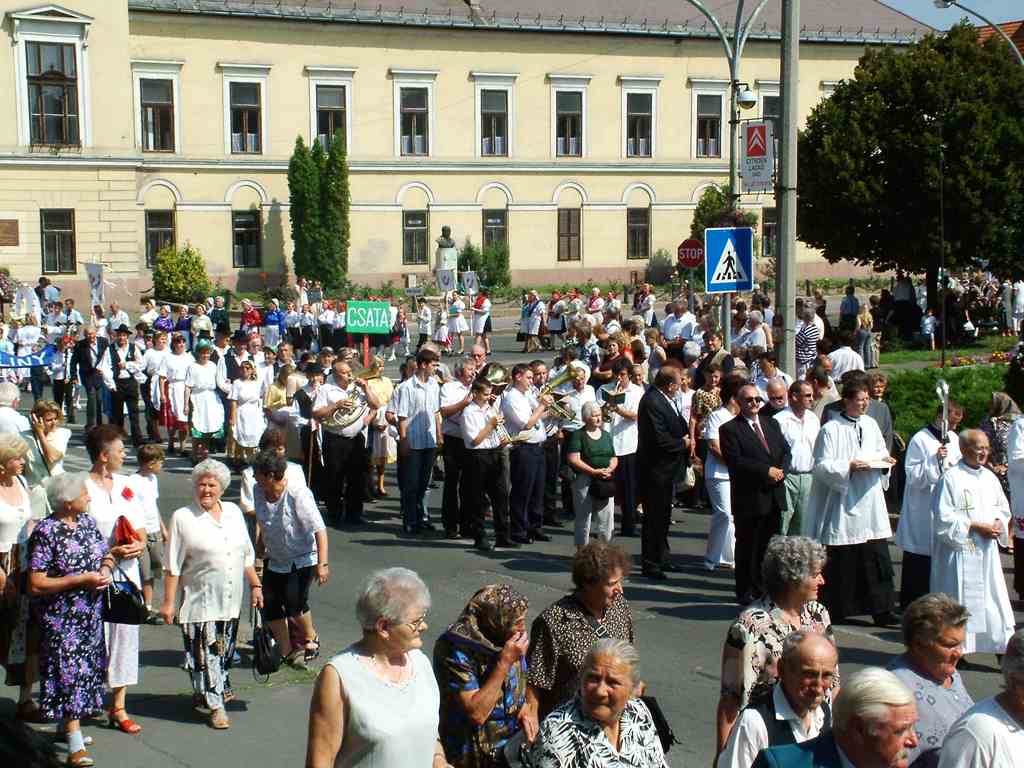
(419, 402)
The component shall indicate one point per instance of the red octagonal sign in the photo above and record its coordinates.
(690, 253)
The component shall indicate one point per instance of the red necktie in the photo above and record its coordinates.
(757, 428)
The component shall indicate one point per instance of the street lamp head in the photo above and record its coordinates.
(943, 4)
(746, 98)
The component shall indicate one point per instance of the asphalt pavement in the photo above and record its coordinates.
(680, 626)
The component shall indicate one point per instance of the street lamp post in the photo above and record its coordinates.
(733, 53)
(945, 4)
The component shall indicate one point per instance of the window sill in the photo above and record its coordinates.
(159, 151)
(51, 148)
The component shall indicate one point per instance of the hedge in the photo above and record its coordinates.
(912, 399)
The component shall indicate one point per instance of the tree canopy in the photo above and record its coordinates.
(869, 158)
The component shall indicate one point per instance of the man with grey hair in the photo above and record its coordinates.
(796, 709)
(970, 517)
(10, 419)
(990, 733)
(677, 329)
(872, 727)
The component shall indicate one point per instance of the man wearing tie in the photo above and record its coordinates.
(122, 373)
(662, 450)
(756, 453)
(85, 366)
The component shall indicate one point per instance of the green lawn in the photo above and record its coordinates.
(981, 349)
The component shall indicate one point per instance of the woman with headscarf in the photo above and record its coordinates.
(480, 665)
(219, 316)
(251, 319)
(272, 325)
(183, 325)
(1002, 412)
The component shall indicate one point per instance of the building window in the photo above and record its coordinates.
(159, 233)
(495, 226)
(769, 232)
(414, 237)
(245, 226)
(494, 123)
(52, 94)
(638, 233)
(639, 123)
(569, 123)
(709, 125)
(415, 115)
(568, 234)
(245, 118)
(330, 113)
(58, 228)
(157, 98)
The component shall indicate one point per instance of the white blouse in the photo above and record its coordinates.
(210, 558)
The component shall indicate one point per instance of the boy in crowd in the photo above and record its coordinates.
(145, 483)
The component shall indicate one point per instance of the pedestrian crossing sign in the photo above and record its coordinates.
(728, 259)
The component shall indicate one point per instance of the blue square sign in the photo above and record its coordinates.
(728, 259)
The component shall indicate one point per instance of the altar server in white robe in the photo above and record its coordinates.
(1015, 474)
(846, 512)
(929, 454)
(971, 518)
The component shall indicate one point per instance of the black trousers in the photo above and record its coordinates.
(567, 475)
(344, 471)
(626, 487)
(916, 577)
(456, 501)
(654, 550)
(526, 502)
(551, 463)
(126, 393)
(93, 402)
(858, 580)
(752, 537)
(487, 474)
(63, 390)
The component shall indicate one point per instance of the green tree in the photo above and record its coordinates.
(180, 276)
(495, 259)
(304, 211)
(869, 158)
(713, 211)
(334, 207)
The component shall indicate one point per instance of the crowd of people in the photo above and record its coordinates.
(637, 413)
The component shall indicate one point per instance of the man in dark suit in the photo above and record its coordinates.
(85, 367)
(662, 450)
(872, 725)
(756, 453)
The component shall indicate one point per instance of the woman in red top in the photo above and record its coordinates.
(251, 317)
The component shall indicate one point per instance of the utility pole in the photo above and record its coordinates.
(785, 264)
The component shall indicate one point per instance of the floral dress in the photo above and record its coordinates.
(72, 653)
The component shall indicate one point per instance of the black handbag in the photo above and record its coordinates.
(122, 601)
(602, 488)
(666, 735)
(266, 658)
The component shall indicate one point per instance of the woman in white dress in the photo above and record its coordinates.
(174, 405)
(533, 316)
(441, 335)
(457, 324)
(247, 419)
(152, 391)
(482, 320)
(206, 409)
(110, 498)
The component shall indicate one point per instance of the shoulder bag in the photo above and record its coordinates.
(666, 735)
(266, 658)
(122, 601)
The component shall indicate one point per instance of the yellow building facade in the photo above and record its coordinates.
(127, 124)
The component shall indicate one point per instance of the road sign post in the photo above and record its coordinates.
(368, 317)
(690, 256)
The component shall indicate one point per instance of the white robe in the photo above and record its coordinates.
(986, 735)
(966, 566)
(1015, 474)
(847, 507)
(914, 532)
(845, 359)
(207, 409)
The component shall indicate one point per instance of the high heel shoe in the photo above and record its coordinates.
(124, 725)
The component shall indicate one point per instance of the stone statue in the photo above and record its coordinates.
(447, 255)
(446, 240)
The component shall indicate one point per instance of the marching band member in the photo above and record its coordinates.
(487, 471)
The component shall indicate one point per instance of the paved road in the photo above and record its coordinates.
(680, 627)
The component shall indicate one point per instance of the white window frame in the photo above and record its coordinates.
(151, 69)
(572, 83)
(708, 86)
(50, 24)
(646, 84)
(245, 73)
(828, 87)
(413, 78)
(766, 88)
(337, 76)
(495, 81)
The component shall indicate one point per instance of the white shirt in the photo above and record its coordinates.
(800, 434)
(247, 487)
(753, 338)
(118, 319)
(1018, 297)
(914, 532)
(986, 735)
(132, 368)
(517, 408)
(1015, 473)
(452, 393)
(12, 421)
(845, 359)
(716, 468)
(330, 393)
(289, 526)
(574, 402)
(210, 558)
(761, 381)
(425, 320)
(146, 487)
(624, 431)
(418, 402)
(681, 327)
(474, 419)
(749, 736)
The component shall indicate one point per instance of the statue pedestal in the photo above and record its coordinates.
(447, 258)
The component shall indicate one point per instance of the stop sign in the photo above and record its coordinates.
(690, 253)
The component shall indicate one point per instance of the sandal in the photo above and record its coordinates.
(296, 659)
(80, 759)
(314, 651)
(125, 724)
(219, 720)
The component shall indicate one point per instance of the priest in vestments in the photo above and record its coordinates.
(929, 455)
(970, 520)
(847, 512)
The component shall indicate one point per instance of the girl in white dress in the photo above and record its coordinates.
(247, 419)
(425, 321)
(441, 332)
(207, 411)
(152, 362)
(111, 497)
(174, 406)
(457, 324)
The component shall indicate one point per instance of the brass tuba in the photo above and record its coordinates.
(357, 406)
(498, 377)
(557, 408)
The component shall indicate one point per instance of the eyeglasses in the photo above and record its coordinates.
(416, 624)
(751, 400)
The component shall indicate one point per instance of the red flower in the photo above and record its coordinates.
(127, 494)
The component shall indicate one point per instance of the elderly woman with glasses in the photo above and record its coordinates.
(209, 557)
(605, 725)
(933, 633)
(376, 703)
(791, 573)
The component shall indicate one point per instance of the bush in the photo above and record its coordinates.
(912, 399)
(660, 267)
(491, 264)
(180, 276)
